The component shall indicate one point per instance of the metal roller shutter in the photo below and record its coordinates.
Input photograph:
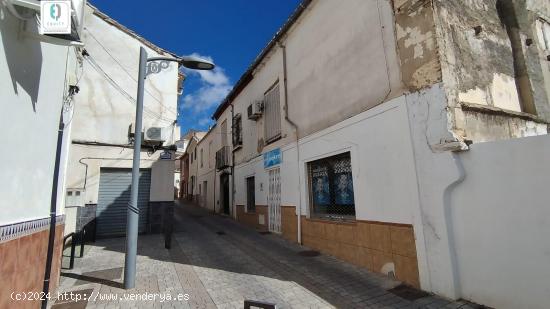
(114, 196)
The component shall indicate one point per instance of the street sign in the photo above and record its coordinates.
(272, 158)
(166, 155)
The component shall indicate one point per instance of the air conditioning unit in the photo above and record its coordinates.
(154, 134)
(255, 109)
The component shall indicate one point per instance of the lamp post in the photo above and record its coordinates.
(146, 66)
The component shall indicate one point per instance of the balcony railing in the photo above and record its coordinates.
(223, 158)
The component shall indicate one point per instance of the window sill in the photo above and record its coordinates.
(273, 139)
(487, 109)
(345, 220)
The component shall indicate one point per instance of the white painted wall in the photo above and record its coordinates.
(384, 180)
(341, 53)
(32, 86)
(501, 222)
(103, 113)
(483, 216)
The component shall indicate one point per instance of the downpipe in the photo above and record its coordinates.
(295, 127)
(53, 212)
(447, 212)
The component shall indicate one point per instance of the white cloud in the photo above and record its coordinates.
(205, 122)
(214, 86)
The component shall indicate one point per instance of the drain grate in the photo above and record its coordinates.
(408, 292)
(220, 232)
(309, 253)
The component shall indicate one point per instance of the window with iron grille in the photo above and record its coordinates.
(331, 187)
(250, 195)
(237, 131)
(272, 114)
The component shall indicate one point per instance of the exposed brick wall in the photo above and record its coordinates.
(22, 266)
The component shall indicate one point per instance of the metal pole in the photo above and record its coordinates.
(133, 210)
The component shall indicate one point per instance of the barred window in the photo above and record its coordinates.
(250, 195)
(272, 114)
(237, 131)
(331, 187)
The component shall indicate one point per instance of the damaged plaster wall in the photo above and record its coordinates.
(421, 67)
(416, 41)
(477, 64)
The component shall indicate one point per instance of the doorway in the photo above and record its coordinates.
(274, 200)
(224, 193)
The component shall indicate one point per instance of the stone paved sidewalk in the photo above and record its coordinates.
(217, 263)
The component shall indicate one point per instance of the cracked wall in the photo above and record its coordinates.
(480, 70)
(495, 77)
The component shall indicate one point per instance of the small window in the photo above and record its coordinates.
(250, 195)
(237, 131)
(331, 187)
(201, 159)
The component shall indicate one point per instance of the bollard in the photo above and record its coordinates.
(73, 246)
(82, 240)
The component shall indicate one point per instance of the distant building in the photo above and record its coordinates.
(188, 166)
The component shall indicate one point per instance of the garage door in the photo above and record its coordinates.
(114, 196)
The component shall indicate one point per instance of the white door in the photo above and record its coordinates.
(274, 201)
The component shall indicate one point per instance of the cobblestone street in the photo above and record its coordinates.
(219, 263)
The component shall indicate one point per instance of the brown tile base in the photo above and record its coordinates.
(381, 247)
(252, 219)
(22, 266)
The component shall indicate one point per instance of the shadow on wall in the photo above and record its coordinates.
(23, 56)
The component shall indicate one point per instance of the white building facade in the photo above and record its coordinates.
(100, 160)
(356, 133)
(38, 79)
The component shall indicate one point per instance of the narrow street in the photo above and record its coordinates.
(220, 263)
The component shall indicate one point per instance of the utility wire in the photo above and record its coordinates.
(126, 71)
(126, 95)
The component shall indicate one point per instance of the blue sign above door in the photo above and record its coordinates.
(272, 158)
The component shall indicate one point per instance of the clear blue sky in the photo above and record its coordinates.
(231, 32)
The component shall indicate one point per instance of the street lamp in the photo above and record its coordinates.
(146, 66)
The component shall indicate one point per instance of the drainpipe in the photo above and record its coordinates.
(447, 212)
(232, 166)
(295, 126)
(85, 172)
(53, 212)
